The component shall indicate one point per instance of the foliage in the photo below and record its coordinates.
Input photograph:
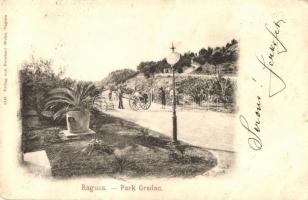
(83, 96)
(117, 77)
(192, 87)
(216, 56)
(97, 145)
(147, 67)
(37, 78)
(215, 89)
(151, 67)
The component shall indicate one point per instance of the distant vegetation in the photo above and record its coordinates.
(211, 59)
(219, 61)
(118, 76)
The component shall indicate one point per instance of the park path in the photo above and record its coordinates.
(209, 129)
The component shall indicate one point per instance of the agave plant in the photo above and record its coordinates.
(83, 96)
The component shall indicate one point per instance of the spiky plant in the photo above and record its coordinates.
(83, 96)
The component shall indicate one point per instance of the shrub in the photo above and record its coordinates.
(83, 96)
(37, 78)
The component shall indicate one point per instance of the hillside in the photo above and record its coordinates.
(209, 69)
(116, 77)
(207, 61)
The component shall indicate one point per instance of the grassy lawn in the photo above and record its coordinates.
(119, 149)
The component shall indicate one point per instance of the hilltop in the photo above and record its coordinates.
(206, 61)
(116, 77)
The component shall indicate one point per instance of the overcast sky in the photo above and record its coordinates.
(91, 40)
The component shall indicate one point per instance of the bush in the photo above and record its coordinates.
(220, 89)
(37, 78)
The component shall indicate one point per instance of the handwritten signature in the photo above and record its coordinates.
(269, 64)
(254, 141)
(275, 48)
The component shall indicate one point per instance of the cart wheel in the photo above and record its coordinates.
(146, 106)
(133, 103)
(145, 103)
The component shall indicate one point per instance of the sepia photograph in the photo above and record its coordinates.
(153, 100)
(135, 114)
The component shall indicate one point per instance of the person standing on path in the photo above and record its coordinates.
(163, 98)
(110, 95)
(120, 99)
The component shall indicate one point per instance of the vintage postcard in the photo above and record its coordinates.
(153, 99)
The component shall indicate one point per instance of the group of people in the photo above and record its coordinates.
(120, 92)
(162, 96)
(120, 96)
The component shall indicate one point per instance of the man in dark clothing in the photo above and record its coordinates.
(163, 98)
(110, 95)
(120, 99)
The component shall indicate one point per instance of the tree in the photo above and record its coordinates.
(217, 59)
(148, 67)
(215, 56)
(141, 66)
(234, 41)
(162, 64)
(202, 52)
(209, 50)
(227, 90)
(185, 60)
(37, 78)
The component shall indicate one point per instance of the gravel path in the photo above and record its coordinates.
(213, 130)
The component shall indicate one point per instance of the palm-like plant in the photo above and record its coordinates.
(83, 97)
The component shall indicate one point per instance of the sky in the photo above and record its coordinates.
(91, 40)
